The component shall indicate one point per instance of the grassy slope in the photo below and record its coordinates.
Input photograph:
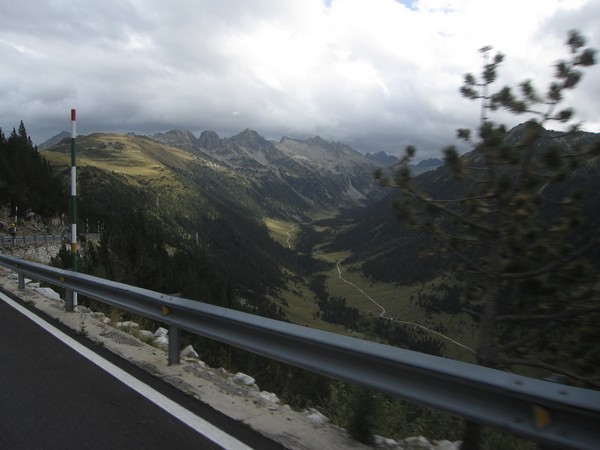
(142, 163)
(122, 154)
(396, 300)
(149, 167)
(279, 229)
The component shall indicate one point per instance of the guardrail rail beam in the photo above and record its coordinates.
(538, 409)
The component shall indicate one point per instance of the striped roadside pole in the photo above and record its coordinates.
(71, 300)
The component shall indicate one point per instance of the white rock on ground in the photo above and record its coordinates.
(269, 397)
(162, 340)
(315, 417)
(447, 445)
(243, 378)
(384, 442)
(127, 324)
(418, 443)
(161, 332)
(146, 334)
(421, 443)
(270, 400)
(49, 293)
(189, 352)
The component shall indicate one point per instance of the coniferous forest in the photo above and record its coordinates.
(27, 181)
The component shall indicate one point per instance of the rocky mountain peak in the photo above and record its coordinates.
(55, 140)
(431, 163)
(209, 140)
(250, 140)
(335, 148)
(248, 135)
(381, 158)
(318, 141)
(178, 138)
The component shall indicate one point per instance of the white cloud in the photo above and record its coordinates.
(375, 74)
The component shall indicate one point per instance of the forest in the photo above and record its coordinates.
(27, 181)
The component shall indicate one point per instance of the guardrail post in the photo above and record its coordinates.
(21, 281)
(69, 300)
(174, 344)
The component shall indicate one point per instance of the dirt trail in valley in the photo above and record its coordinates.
(383, 313)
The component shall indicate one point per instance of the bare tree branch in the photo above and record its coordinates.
(555, 265)
(461, 218)
(555, 316)
(593, 382)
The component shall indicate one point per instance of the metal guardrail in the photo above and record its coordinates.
(541, 410)
(20, 240)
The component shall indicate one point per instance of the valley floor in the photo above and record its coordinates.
(397, 304)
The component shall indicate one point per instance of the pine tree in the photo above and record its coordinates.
(515, 232)
(26, 178)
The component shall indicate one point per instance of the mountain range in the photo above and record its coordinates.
(299, 176)
(319, 174)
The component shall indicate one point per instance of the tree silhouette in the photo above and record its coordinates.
(515, 233)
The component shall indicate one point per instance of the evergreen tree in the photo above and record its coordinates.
(517, 236)
(26, 178)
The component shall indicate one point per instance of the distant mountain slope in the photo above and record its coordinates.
(193, 204)
(382, 159)
(54, 140)
(387, 162)
(426, 165)
(345, 175)
(387, 251)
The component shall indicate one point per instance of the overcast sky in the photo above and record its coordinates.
(374, 74)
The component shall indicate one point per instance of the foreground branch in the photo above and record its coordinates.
(592, 382)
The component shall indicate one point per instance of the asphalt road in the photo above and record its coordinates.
(51, 397)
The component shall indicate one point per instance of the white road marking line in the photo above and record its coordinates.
(186, 416)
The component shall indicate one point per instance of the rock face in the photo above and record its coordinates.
(178, 138)
(41, 253)
(382, 159)
(55, 140)
(312, 173)
(209, 140)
